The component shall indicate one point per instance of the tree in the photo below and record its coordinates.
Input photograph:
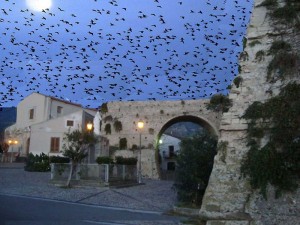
(76, 148)
(194, 166)
(104, 108)
(219, 103)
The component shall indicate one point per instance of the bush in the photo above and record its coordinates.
(278, 46)
(104, 160)
(260, 55)
(104, 108)
(283, 65)
(237, 81)
(41, 163)
(37, 163)
(194, 166)
(219, 102)
(276, 120)
(59, 159)
(126, 161)
(286, 14)
(269, 4)
(134, 147)
(253, 43)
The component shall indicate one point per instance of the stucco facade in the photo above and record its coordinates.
(41, 133)
(168, 147)
(40, 118)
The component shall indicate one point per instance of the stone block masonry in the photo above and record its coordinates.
(156, 115)
(228, 193)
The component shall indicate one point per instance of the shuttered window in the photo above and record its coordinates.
(54, 144)
(31, 114)
(59, 110)
(70, 123)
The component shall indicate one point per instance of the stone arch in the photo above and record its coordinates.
(189, 118)
(182, 118)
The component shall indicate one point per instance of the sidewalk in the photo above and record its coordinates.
(8, 165)
(155, 195)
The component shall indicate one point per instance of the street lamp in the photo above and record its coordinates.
(12, 142)
(89, 127)
(140, 126)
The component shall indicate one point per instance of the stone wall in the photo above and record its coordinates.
(155, 115)
(148, 163)
(228, 195)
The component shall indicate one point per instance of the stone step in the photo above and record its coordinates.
(228, 222)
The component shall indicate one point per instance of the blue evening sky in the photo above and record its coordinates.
(94, 51)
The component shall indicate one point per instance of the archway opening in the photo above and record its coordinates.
(189, 165)
(170, 137)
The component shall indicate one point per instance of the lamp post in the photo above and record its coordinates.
(12, 142)
(89, 127)
(140, 126)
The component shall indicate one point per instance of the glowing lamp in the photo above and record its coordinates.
(140, 124)
(89, 126)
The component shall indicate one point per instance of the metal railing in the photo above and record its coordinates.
(103, 173)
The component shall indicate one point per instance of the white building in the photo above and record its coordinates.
(169, 147)
(42, 122)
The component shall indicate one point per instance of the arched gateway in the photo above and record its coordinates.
(170, 136)
(190, 118)
(119, 125)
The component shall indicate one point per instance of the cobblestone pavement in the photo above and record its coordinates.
(155, 195)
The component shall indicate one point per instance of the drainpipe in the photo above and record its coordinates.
(50, 108)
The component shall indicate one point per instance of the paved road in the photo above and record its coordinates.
(20, 210)
(155, 195)
(23, 197)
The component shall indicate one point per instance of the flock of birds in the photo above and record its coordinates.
(90, 51)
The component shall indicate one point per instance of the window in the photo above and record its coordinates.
(54, 147)
(70, 123)
(171, 151)
(171, 166)
(31, 114)
(59, 110)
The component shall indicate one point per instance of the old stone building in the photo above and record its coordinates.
(229, 198)
(156, 115)
(119, 126)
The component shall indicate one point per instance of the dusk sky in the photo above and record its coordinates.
(94, 51)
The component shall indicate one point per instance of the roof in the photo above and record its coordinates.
(64, 101)
(57, 99)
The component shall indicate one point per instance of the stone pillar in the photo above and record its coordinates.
(228, 193)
